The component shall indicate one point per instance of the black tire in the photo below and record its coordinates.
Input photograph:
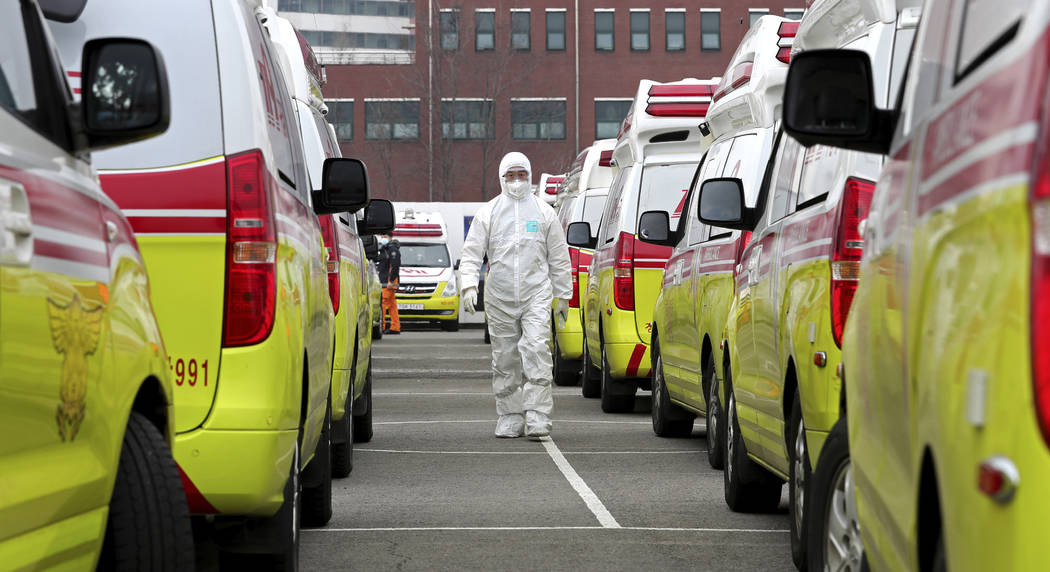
(716, 443)
(799, 476)
(669, 420)
(149, 522)
(377, 331)
(617, 395)
(450, 325)
(826, 493)
(747, 486)
(317, 479)
(590, 376)
(343, 440)
(488, 338)
(362, 430)
(566, 372)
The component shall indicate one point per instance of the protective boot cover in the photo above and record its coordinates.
(528, 267)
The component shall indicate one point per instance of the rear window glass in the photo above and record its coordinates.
(664, 188)
(746, 162)
(565, 213)
(818, 172)
(987, 26)
(429, 255)
(592, 211)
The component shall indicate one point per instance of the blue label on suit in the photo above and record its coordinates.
(532, 226)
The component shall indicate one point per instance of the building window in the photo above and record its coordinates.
(640, 30)
(350, 7)
(608, 116)
(754, 14)
(341, 116)
(360, 40)
(484, 30)
(450, 30)
(520, 29)
(555, 30)
(794, 14)
(466, 119)
(530, 119)
(604, 30)
(393, 119)
(675, 25)
(710, 30)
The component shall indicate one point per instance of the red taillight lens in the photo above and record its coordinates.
(738, 76)
(574, 260)
(331, 245)
(784, 55)
(623, 273)
(849, 245)
(251, 248)
(605, 159)
(786, 32)
(745, 239)
(1039, 327)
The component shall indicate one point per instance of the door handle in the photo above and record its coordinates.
(16, 226)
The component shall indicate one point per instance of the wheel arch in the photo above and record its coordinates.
(929, 512)
(151, 402)
(705, 353)
(787, 397)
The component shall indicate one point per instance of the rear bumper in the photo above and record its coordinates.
(628, 360)
(434, 308)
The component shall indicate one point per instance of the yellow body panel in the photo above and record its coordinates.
(617, 328)
(353, 332)
(570, 334)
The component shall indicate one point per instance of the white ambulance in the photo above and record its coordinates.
(427, 291)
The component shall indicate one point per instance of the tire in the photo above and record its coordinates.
(317, 479)
(566, 372)
(747, 486)
(831, 504)
(343, 441)
(362, 430)
(488, 338)
(590, 376)
(450, 325)
(716, 444)
(669, 420)
(149, 522)
(617, 395)
(799, 477)
(377, 331)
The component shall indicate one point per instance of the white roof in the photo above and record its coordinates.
(418, 226)
(303, 75)
(664, 119)
(834, 23)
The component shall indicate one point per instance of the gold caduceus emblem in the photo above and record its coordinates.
(74, 333)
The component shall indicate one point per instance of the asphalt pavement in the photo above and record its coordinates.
(435, 490)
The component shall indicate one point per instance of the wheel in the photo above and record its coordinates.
(590, 376)
(669, 420)
(450, 325)
(566, 372)
(488, 338)
(799, 475)
(617, 395)
(362, 430)
(377, 331)
(834, 528)
(317, 480)
(747, 487)
(149, 522)
(343, 440)
(716, 443)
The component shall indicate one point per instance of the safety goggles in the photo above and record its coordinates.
(516, 176)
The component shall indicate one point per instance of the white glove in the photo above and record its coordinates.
(470, 299)
(562, 310)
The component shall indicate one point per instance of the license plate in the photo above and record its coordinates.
(410, 306)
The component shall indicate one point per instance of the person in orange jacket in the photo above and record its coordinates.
(389, 263)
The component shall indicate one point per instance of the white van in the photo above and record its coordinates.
(428, 290)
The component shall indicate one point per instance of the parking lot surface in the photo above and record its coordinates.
(434, 489)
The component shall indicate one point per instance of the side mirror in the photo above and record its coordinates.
(456, 265)
(125, 92)
(722, 204)
(379, 217)
(344, 186)
(579, 234)
(370, 245)
(66, 11)
(654, 227)
(829, 100)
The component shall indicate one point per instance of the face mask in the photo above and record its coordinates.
(518, 189)
(383, 240)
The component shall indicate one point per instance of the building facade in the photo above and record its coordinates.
(431, 94)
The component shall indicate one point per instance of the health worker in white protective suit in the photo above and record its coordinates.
(528, 267)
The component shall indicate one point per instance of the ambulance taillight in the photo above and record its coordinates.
(623, 272)
(1039, 319)
(251, 248)
(848, 247)
(683, 100)
(786, 38)
(574, 260)
(331, 246)
(739, 76)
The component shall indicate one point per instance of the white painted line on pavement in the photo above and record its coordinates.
(430, 393)
(605, 518)
(542, 528)
(418, 371)
(421, 452)
(603, 422)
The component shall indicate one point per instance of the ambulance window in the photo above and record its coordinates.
(593, 206)
(987, 26)
(566, 212)
(745, 162)
(664, 188)
(783, 202)
(312, 144)
(819, 168)
(614, 206)
(425, 255)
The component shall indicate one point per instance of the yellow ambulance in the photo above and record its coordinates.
(428, 291)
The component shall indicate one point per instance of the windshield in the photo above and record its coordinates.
(429, 255)
(664, 188)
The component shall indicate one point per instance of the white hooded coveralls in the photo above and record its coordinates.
(528, 267)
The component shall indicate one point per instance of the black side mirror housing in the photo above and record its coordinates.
(579, 234)
(371, 246)
(829, 99)
(344, 186)
(456, 265)
(125, 93)
(654, 227)
(379, 218)
(66, 11)
(722, 204)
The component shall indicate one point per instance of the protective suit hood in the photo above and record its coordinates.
(515, 189)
